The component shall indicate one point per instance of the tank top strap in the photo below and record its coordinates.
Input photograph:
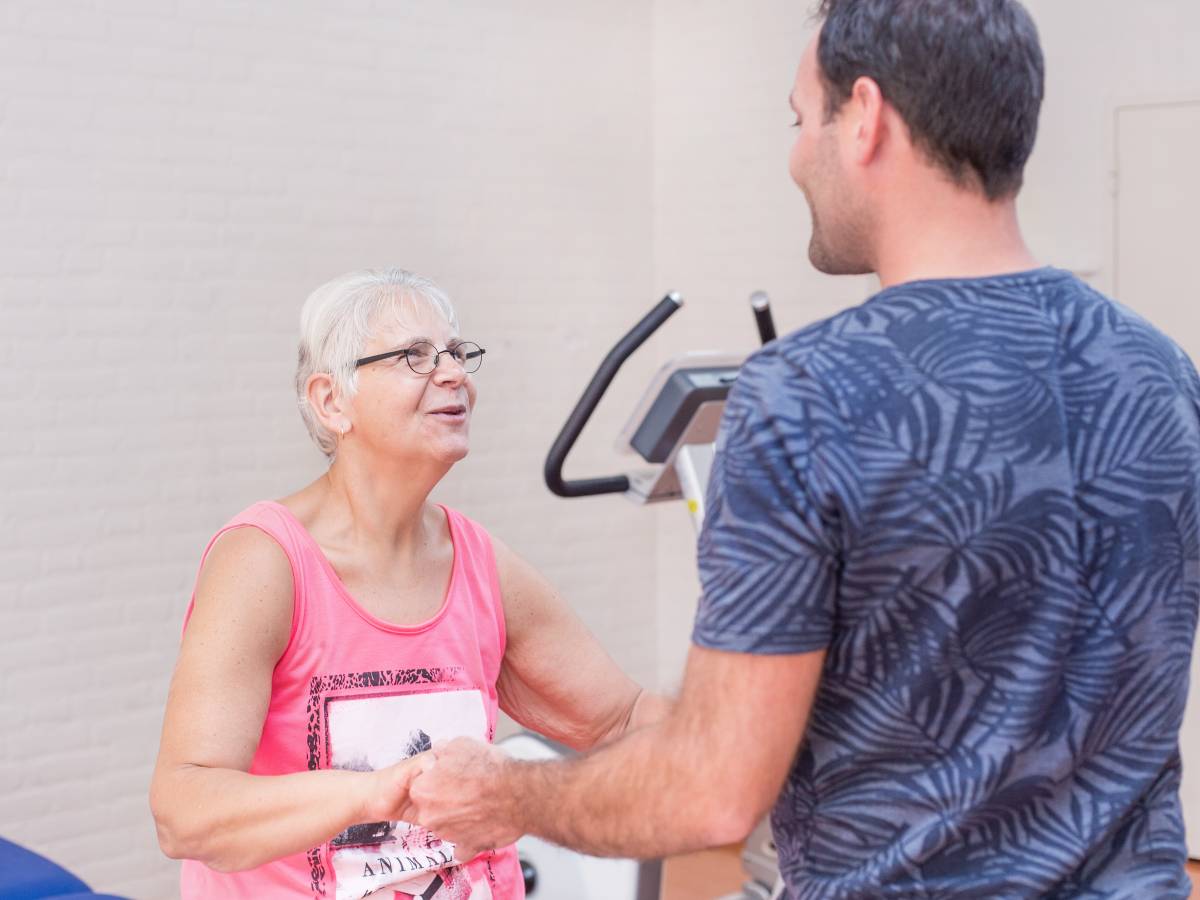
(271, 519)
(477, 568)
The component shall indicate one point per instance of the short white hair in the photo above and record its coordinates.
(339, 318)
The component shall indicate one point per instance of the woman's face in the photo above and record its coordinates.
(404, 414)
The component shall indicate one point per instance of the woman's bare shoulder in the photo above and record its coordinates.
(246, 581)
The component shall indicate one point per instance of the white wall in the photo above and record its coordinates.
(1101, 54)
(174, 178)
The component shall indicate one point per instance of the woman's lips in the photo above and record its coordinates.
(451, 413)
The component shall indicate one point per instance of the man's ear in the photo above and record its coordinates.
(864, 114)
(326, 403)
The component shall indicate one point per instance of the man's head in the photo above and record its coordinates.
(957, 84)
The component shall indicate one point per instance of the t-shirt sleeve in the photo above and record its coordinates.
(768, 551)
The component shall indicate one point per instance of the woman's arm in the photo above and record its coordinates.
(556, 678)
(205, 804)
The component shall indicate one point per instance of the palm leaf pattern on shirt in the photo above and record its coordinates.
(981, 498)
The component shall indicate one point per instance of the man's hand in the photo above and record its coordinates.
(462, 797)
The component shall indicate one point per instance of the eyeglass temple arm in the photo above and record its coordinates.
(616, 484)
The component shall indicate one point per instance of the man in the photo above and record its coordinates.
(950, 563)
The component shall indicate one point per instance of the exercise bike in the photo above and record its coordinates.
(673, 430)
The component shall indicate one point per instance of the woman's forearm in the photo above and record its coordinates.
(231, 820)
(645, 708)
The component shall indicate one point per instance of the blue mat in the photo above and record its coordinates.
(24, 875)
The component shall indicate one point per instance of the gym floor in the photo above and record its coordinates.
(704, 875)
(715, 873)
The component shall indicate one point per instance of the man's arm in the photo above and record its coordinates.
(769, 565)
(556, 678)
(701, 777)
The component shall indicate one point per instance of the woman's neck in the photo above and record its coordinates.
(357, 504)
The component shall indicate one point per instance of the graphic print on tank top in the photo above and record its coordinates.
(368, 721)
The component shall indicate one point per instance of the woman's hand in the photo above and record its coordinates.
(387, 790)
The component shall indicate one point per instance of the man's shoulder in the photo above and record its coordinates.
(863, 350)
(904, 313)
(795, 354)
(793, 380)
(1131, 341)
(806, 363)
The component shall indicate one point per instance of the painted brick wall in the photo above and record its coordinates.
(174, 178)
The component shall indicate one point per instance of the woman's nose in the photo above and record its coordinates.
(448, 370)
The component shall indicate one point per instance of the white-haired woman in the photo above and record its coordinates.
(336, 633)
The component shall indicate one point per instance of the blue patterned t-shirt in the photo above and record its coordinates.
(980, 497)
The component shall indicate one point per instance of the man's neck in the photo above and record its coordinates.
(950, 233)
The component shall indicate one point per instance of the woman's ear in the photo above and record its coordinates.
(327, 404)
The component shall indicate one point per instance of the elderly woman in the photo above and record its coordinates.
(335, 634)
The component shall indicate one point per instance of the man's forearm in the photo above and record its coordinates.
(690, 780)
(647, 795)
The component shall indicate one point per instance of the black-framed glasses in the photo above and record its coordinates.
(422, 357)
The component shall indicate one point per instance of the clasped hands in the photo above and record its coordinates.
(458, 791)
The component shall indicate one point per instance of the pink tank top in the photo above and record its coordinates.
(354, 692)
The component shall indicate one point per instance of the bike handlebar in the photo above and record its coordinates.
(615, 484)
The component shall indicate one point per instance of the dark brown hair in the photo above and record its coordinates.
(967, 77)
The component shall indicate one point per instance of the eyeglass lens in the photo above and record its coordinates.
(422, 357)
